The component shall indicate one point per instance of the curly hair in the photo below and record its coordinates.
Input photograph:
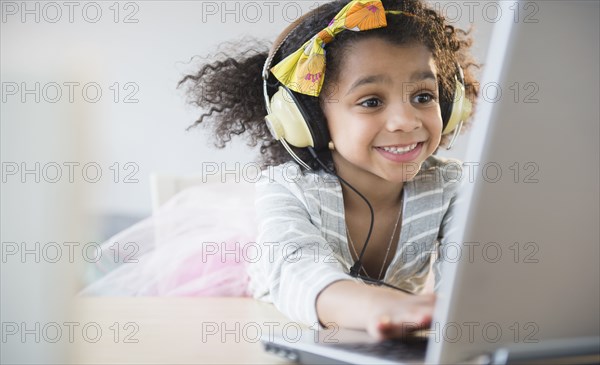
(229, 89)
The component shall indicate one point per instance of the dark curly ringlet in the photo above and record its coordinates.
(229, 88)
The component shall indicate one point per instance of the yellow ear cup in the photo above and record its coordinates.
(286, 122)
(461, 108)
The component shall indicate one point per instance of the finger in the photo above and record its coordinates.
(418, 316)
(402, 328)
(378, 328)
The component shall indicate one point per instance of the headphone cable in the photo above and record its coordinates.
(355, 269)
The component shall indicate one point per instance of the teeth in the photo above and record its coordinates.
(399, 150)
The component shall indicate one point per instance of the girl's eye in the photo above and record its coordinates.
(371, 103)
(424, 98)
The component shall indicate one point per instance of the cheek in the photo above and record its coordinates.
(337, 123)
(348, 131)
(435, 124)
(437, 130)
(435, 127)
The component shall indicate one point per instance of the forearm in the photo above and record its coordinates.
(346, 303)
(382, 312)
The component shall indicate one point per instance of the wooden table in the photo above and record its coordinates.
(153, 330)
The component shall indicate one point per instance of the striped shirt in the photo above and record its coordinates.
(302, 234)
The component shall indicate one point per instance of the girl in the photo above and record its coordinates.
(358, 199)
(375, 81)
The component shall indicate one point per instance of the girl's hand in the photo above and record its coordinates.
(397, 314)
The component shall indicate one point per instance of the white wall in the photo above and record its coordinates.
(152, 53)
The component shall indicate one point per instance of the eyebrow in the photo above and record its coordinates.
(374, 79)
(371, 79)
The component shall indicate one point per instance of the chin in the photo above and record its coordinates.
(403, 174)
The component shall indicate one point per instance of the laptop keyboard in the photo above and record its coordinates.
(389, 349)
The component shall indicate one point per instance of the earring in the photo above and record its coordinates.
(331, 146)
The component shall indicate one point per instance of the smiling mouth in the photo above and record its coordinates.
(400, 150)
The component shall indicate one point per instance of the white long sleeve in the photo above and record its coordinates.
(302, 234)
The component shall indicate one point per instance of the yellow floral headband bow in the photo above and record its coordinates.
(303, 71)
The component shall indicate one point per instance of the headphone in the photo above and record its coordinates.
(291, 122)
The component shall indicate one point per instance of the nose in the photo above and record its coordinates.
(403, 117)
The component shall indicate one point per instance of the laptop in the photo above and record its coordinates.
(523, 283)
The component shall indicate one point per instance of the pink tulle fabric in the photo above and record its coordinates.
(197, 244)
